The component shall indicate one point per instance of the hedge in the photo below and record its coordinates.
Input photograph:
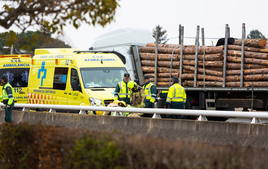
(25, 146)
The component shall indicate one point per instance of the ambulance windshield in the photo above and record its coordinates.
(102, 77)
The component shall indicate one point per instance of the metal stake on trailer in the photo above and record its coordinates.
(196, 55)
(155, 58)
(204, 53)
(172, 55)
(225, 54)
(242, 55)
(181, 53)
(180, 34)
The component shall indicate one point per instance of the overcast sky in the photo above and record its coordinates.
(210, 14)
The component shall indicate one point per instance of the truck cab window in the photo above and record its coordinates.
(60, 78)
(75, 83)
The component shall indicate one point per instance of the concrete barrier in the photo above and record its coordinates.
(186, 130)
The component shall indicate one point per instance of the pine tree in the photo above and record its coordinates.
(162, 34)
(255, 34)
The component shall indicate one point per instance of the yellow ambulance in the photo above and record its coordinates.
(16, 68)
(68, 77)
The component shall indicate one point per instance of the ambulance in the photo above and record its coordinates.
(68, 77)
(16, 68)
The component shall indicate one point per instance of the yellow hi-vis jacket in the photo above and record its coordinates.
(7, 94)
(123, 89)
(176, 93)
(149, 94)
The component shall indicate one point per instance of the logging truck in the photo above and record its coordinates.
(224, 77)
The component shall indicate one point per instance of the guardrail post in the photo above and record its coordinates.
(82, 112)
(202, 118)
(52, 111)
(255, 121)
(24, 109)
(156, 116)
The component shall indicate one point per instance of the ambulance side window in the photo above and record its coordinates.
(60, 78)
(75, 83)
(17, 77)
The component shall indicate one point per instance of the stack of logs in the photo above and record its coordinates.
(210, 66)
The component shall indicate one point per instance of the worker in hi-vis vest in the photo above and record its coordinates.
(124, 89)
(7, 97)
(176, 97)
(150, 93)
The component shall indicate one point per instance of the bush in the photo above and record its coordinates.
(18, 147)
(26, 146)
(95, 153)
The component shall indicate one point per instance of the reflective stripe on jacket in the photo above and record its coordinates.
(176, 93)
(125, 89)
(7, 94)
(148, 93)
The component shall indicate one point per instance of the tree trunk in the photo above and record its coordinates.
(175, 64)
(246, 66)
(256, 77)
(248, 84)
(201, 77)
(161, 57)
(148, 69)
(257, 43)
(208, 57)
(255, 55)
(200, 70)
(176, 57)
(164, 79)
(228, 84)
(163, 84)
(207, 63)
(247, 60)
(250, 49)
(186, 50)
(248, 71)
(201, 83)
(162, 75)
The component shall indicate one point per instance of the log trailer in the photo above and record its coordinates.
(233, 74)
(212, 89)
(230, 94)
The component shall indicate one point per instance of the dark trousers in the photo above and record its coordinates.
(176, 105)
(8, 113)
(148, 104)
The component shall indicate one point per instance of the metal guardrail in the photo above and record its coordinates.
(202, 114)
